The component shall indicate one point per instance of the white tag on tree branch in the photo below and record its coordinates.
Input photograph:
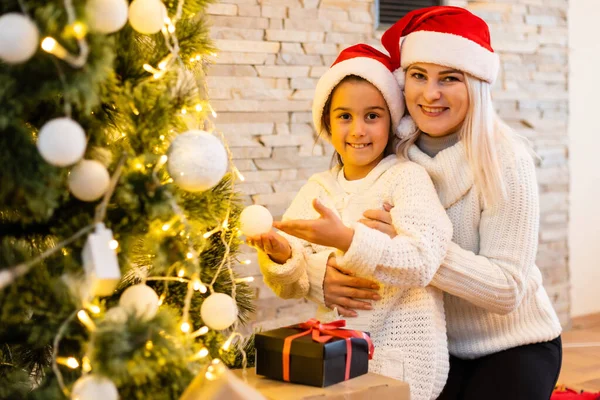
(100, 262)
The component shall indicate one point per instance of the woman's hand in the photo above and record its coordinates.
(328, 230)
(342, 290)
(272, 243)
(380, 220)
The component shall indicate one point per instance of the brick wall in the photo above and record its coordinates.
(272, 53)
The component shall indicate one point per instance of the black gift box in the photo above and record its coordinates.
(311, 363)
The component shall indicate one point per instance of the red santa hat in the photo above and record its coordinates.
(368, 63)
(443, 35)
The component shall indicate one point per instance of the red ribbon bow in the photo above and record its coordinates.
(329, 331)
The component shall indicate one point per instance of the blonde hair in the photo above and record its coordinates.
(482, 134)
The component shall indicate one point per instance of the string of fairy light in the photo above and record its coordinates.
(178, 224)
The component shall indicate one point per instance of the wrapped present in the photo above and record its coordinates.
(312, 353)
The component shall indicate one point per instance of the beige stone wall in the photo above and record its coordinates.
(272, 53)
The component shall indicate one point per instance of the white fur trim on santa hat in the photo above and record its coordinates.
(367, 68)
(451, 51)
(400, 75)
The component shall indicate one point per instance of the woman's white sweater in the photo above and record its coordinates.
(407, 325)
(494, 298)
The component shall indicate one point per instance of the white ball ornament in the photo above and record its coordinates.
(19, 38)
(94, 387)
(106, 16)
(219, 311)
(61, 142)
(255, 220)
(89, 180)
(141, 300)
(197, 160)
(117, 315)
(147, 16)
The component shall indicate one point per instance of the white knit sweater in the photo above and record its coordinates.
(407, 325)
(494, 298)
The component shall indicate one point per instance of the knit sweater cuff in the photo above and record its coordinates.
(316, 268)
(365, 251)
(286, 273)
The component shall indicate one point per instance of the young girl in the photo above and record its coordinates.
(503, 334)
(358, 105)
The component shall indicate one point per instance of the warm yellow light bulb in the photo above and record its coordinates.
(163, 158)
(185, 327)
(166, 227)
(85, 364)
(190, 255)
(183, 111)
(94, 309)
(198, 107)
(79, 29)
(181, 273)
(149, 345)
(113, 244)
(48, 44)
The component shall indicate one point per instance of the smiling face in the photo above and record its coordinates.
(436, 98)
(359, 125)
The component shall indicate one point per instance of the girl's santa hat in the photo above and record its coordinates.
(368, 63)
(443, 35)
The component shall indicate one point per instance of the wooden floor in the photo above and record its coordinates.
(581, 354)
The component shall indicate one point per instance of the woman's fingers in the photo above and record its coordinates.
(344, 312)
(380, 226)
(379, 215)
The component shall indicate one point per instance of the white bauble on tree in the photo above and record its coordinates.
(197, 160)
(147, 16)
(219, 311)
(255, 220)
(61, 142)
(94, 387)
(19, 38)
(117, 315)
(141, 300)
(89, 180)
(106, 16)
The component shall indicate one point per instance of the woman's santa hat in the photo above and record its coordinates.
(368, 63)
(443, 35)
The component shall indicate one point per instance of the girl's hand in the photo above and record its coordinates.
(327, 230)
(342, 290)
(272, 243)
(380, 220)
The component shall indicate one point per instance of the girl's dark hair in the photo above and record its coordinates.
(326, 122)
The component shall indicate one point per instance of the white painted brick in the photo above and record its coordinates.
(221, 9)
(289, 174)
(276, 23)
(294, 36)
(515, 46)
(262, 94)
(274, 11)
(238, 2)
(245, 166)
(558, 232)
(274, 198)
(298, 59)
(287, 3)
(292, 48)
(219, 93)
(247, 129)
(232, 82)
(282, 71)
(239, 22)
(490, 7)
(231, 70)
(352, 27)
(549, 76)
(288, 186)
(317, 72)
(249, 46)
(250, 118)
(345, 5)
(262, 176)
(254, 188)
(303, 94)
(541, 20)
(551, 202)
(241, 58)
(283, 83)
(328, 60)
(261, 105)
(282, 129)
(249, 10)
(251, 152)
(306, 14)
(361, 17)
(558, 174)
(301, 117)
(302, 129)
(217, 32)
(333, 15)
(284, 140)
(338, 37)
(555, 218)
(312, 150)
(315, 25)
(310, 3)
(320, 48)
(319, 163)
(303, 83)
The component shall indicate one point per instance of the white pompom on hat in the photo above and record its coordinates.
(368, 63)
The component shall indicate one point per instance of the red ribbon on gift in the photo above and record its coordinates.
(323, 333)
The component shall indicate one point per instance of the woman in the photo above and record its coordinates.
(503, 334)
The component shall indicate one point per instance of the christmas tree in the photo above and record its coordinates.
(118, 211)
